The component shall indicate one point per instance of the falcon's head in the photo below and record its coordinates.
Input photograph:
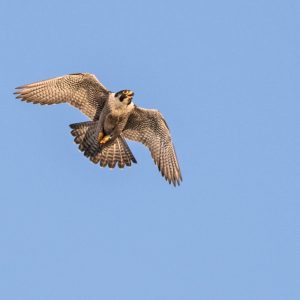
(125, 96)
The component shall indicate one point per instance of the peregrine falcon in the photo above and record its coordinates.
(113, 119)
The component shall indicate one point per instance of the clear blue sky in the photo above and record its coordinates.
(225, 74)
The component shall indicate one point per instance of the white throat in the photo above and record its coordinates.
(118, 106)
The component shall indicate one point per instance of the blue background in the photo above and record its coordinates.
(225, 74)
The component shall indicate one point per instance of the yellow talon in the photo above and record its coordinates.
(100, 136)
(105, 139)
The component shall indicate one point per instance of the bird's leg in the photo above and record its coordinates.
(100, 136)
(112, 135)
(111, 131)
(104, 138)
(107, 137)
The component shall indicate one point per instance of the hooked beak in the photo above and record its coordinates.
(129, 96)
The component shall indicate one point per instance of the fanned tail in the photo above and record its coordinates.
(112, 153)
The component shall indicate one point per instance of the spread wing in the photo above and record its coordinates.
(82, 90)
(149, 127)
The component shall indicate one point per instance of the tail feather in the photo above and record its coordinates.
(114, 152)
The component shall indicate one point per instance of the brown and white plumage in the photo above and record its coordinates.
(149, 127)
(110, 154)
(117, 119)
(82, 90)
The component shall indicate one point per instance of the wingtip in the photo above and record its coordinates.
(176, 183)
(23, 86)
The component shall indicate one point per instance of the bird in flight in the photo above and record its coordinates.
(113, 119)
